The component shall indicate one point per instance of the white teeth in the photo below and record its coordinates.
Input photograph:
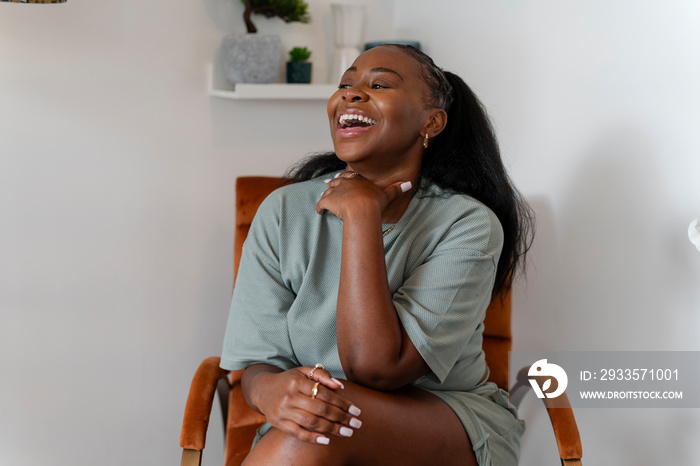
(347, 117)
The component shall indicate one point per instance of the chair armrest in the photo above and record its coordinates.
(561, 416)
(199, 402)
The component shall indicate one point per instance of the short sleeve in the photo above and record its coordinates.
(257, 330)
(443, 301)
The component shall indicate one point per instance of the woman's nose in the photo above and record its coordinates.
(354, 94)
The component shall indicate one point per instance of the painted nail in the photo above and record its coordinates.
(346, 431)
(356, 423)
(354, 410)
(323, 440)
(338, 382)
(406, 186)
(327, 180)
(337, 175)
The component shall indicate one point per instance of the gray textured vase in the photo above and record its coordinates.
(251, 58)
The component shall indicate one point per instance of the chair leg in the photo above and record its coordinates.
(222, 388)
(191, 457)
(571, 462)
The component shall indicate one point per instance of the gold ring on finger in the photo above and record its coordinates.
(314, 391)
(311, 372)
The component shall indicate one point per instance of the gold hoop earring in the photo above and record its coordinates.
(425, 141)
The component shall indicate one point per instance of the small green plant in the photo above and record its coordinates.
(299, 54)
(289, 11)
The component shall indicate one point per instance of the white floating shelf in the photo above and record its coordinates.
(220, 87)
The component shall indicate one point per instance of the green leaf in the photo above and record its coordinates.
(299, 54)
(289, 11)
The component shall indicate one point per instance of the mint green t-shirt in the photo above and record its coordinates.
(441, 260)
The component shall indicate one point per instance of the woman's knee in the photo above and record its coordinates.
(278, 448)
(405, 427)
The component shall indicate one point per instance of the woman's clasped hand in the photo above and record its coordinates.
(304, 402)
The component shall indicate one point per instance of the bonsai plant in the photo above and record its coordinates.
(298, 68)
(289, 10)
(255, 58)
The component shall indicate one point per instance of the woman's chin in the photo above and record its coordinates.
(350, 156)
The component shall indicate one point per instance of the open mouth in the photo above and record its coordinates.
(354, 120)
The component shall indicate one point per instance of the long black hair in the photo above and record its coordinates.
(464, 158)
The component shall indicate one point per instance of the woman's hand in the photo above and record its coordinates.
(348, 192)
(286, 399)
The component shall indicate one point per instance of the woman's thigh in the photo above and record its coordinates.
(406, 427)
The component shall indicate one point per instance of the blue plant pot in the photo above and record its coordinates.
(371, 45)
(299, 72)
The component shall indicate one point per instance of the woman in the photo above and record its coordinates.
(359, 321)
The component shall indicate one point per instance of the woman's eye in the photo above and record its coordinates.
(343, 86)
(379, 86)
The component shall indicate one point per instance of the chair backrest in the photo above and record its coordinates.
(252, 190)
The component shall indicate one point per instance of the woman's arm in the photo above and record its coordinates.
(374, 349)
(258, 338)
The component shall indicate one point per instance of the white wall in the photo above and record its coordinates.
(116, 202)
(597, 108)
(116, 216)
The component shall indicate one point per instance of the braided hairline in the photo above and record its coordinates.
(434, 76)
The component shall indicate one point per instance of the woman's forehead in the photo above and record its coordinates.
(387, 56)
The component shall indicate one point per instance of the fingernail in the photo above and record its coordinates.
(346, 431)
(356, 423)
(327, 180)
(323, 440)
(338, 382)
(354, 410)
(406, 186)
(337, 175)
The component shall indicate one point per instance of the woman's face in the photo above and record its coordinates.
(380, 110)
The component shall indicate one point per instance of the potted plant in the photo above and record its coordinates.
(298, 68)
(255, 58)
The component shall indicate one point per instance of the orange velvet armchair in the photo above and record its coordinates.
(241, 422)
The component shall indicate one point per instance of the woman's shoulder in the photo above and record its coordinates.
(455, 205)
(291, 201)
(292, 193)
(460, 217)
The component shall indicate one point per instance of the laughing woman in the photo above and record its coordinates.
(359, 305)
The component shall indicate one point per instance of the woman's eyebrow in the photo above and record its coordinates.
(380, 69)
(386, 70)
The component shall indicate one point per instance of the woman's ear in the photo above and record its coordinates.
(435, 123)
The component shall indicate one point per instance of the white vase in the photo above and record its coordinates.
(349, 24)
